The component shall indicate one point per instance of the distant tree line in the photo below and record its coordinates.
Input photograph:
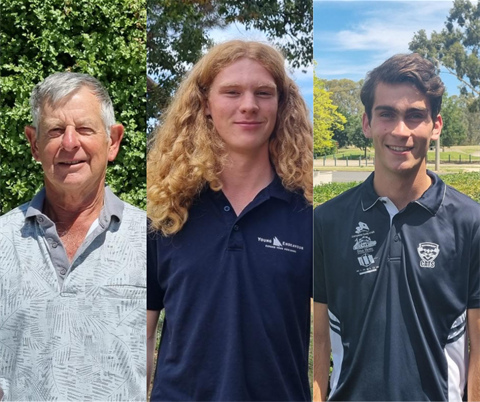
(456, 48)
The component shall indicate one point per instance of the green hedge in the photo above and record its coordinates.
(103, 38)
(467, 183)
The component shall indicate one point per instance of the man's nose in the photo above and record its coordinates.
(70, 139)
(401, 129)
(249, 103)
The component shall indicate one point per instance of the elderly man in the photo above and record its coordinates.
(72, 261)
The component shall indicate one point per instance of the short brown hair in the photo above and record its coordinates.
(402, 68)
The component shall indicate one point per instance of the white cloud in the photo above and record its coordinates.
(390, 27)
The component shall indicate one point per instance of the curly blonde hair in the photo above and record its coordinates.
(186, 152)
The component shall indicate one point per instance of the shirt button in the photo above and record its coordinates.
(63, 271)
(236, 228)
(395, 238)
(54, 244)
(226, 208)
(40, 219)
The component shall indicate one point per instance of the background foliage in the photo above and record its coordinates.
(466, 183)
(103, 38)
(178, 36)
(456, 47)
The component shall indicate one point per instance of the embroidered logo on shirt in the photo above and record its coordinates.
(276, 244)
(364, 246)
(428, 252)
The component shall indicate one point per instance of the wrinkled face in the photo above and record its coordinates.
(72, 143)
(401, 128)
(243, 104)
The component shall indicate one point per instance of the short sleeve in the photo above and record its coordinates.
(155, 293)
(474, 276)
(319, 283)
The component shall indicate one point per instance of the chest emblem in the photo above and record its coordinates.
(428, 252)
(364, 246)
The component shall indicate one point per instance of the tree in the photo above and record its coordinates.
(454, 130)
(177, 35)
(355, 133)
(326, 118)
(457, 46)
(346, 95)
(104, 38)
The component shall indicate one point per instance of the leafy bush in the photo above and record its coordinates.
(103, 38)
(467, 183)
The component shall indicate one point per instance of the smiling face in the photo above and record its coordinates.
(243, 104)
(401, 128)
(72, 144)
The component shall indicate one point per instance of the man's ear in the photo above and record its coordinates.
(437, 128)
(116, 135)
(31, 134)
(367, 130)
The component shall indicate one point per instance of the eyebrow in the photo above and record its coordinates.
(257, 85)
(392, 109)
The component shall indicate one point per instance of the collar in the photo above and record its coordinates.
(431, 200)
(112, 206)
(276, 189)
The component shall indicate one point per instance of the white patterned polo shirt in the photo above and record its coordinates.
(73, 331)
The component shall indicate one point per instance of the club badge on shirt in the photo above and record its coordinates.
(428, 252)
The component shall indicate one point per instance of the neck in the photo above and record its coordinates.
(67, 209)
(244, 176)
(401, 189)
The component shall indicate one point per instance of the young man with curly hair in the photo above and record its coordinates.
(230, 256)
(397, 259)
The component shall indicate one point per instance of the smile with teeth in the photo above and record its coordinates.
(399, 149)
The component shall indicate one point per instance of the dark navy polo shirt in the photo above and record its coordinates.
(236, 293)
(398, 285)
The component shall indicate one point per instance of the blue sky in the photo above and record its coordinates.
(353, 37)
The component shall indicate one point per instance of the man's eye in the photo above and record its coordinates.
(232, 92)
(386, 115)
(265, 93)
(84, 130)
(55, 132)
(417, 116)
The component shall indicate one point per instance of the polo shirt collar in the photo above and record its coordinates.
(431, 200)
(276, 189)
(112, 206)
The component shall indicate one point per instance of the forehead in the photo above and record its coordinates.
(80, 104)
(400, 96)
(243, 71)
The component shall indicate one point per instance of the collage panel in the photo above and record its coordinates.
(72, 230)
(229, 189)
(397, 192)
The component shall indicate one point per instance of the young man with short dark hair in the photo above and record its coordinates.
(397, 259)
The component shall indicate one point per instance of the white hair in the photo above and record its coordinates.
(57, 86)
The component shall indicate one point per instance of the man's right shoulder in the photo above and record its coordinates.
(13, 218)
(339, 206)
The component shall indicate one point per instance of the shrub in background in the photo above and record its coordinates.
(103, 38)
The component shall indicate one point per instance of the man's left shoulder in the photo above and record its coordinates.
(134, 215)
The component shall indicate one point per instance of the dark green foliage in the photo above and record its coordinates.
(457, 46)
(103, 38)
(327, 191)
(177, 36)
(466, 183)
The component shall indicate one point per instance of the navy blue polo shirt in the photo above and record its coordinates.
(398, 285)
(236, 293)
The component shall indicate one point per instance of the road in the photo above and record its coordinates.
(320, 177)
